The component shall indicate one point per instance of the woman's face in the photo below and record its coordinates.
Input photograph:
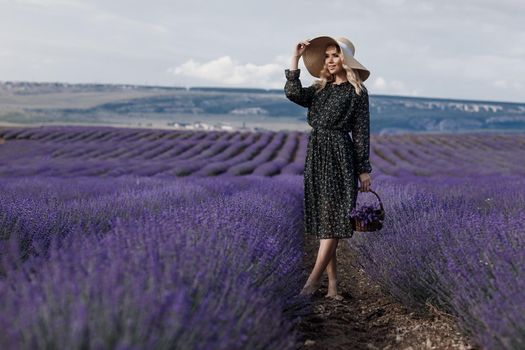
(333, 60)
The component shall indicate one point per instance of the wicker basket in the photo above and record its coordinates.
(376, 224)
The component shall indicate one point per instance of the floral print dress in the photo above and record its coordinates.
(334, 160)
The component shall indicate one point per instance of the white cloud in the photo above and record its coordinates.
(225, 71)
(393, 87)
(53, 6)
(505, 84)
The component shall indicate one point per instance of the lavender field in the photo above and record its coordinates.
(136, 238)
(68, 151)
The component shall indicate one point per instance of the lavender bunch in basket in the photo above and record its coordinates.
(365, 213)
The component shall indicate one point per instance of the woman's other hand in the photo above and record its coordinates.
(365, 181)
(300, 47)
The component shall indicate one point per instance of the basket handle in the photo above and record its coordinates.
(379, 199)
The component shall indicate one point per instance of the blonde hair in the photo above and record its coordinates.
(352, 75)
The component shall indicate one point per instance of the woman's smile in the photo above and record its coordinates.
(333, 61)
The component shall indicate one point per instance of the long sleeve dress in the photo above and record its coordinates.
(334, 160)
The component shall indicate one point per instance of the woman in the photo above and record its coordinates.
(337, 105)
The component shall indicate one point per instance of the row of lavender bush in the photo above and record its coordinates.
(104, 151)
(457, 243)
(142, 263)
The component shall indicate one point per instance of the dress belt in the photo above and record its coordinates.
(318, 128)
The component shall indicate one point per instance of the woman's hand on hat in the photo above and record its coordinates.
(300, 47)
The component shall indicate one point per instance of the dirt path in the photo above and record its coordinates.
(368, 318)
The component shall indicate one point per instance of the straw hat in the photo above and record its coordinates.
(313, 55)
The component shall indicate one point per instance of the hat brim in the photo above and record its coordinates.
(313, 57)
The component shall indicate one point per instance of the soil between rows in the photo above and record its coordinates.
(367, 317)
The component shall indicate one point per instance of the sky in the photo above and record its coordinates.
(468, 49)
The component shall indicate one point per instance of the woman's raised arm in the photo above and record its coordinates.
(294, 90)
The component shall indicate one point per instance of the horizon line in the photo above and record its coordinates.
(248, 88)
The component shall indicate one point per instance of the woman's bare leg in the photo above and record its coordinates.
(331, 270)
(327, 248)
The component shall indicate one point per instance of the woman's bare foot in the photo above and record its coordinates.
(332, 291)
(310, 288)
